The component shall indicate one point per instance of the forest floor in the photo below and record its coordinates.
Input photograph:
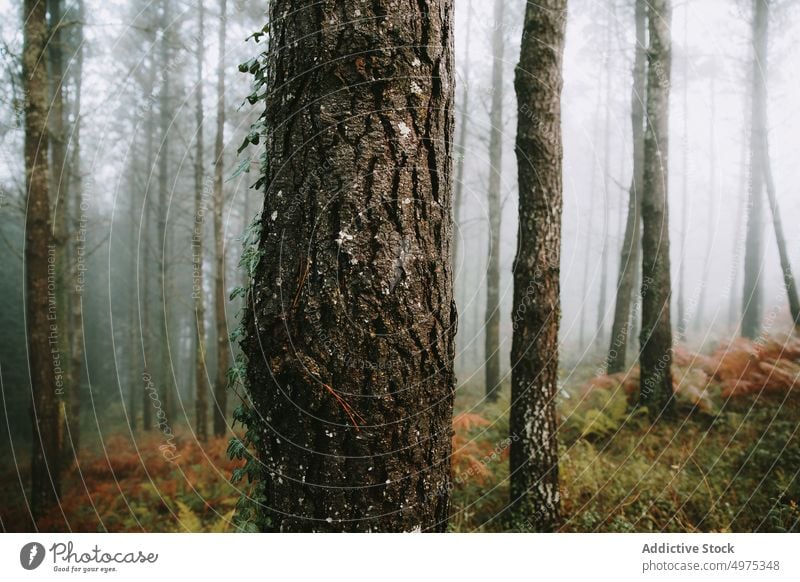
(729, 461)
(736, 471)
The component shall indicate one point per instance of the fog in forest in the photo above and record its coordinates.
(711, 53)
(160, 156)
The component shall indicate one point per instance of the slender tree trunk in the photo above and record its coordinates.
(492, 319)
(461, 150)
(350, 320)
(636, 299)
(198, 293)
(537, 308)
(754, 245)
(135, 346)
(58, 143)
(734, 303)
(699, 317)
(629, 259)
(656, 335)
(786, 265)
(59, 182)
(39, 266)
(589, 230)
(220, 296)
(79, 256)
(760, 152)
(145, 306)
(604, 266)
(166, 388)
(60, 207)
(681, 303)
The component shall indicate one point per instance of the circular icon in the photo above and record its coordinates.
(31, 555)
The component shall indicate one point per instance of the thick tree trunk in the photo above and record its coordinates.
(754, 245)
(537, 310)
(39, 268)
(629, 259)
(350, 319)
(220, 296)
(198, 293)
(656, 334)
(492, 318)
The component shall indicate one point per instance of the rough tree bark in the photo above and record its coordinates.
(492, 318)
(350, 318)
(629, 259)
(220, 296)
(39, 266)
(537, 310)
(754, 243)
(201, 373)
(656, 334)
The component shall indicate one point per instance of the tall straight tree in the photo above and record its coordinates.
(163, 246)
(143, 255)
(656, 332)
(629, 259)
(73, 405)
(754, 243)
(220, 296)
(602, 295)
(537, 308)
(45, 464)
(350, 319)
(201, 373)
(734, 302)
(59, 183)
(590, 235)
(492, 319)
(699, 316)
(681, 302)
(134, 339)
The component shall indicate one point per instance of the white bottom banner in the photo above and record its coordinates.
(398, 557)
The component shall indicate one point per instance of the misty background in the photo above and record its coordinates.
(122, 72)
